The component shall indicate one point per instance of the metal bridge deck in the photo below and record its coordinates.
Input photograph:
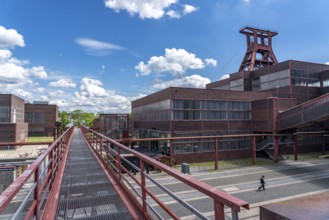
(86, 192)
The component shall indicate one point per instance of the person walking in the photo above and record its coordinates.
(262, 182)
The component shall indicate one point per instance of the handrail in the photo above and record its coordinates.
(42, 179)
(101, 144)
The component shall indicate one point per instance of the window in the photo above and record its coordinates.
(5, 114)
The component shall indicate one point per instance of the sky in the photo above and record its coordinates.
(99, 55)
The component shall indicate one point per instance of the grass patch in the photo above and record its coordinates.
(40, 139)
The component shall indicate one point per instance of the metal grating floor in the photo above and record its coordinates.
(86, 192)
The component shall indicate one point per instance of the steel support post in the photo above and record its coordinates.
(216, 154)
(295, 147)
(323, 146)
(118, 163)
(36, 194)
(235, 215)
(142, 169)
(276, 149)
(219, 210)
(253, 150)
(171, 154)
(50, 168)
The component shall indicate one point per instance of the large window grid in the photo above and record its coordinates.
(208, 145)
(237, 85)
(4, 114)
(35, 117)
(210, 110)
(274, 80)
(302, 77)
(158, 111)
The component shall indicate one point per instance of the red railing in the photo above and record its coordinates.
(114, 155)
(35, 183)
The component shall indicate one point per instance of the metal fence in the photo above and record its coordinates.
(133, 176)
(27, 196)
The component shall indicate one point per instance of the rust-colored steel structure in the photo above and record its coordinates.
(112, 154)
(35, 182)
(259, 49)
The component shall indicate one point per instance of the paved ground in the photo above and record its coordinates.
(284, 180)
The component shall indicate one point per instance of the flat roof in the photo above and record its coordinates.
(304, 208)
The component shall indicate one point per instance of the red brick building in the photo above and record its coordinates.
(12, 126)
(41, 118)
(245, 103)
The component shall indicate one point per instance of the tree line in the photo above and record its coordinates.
(77, 118)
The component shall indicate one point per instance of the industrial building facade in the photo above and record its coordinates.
(12, 125)
(245, 103)
(19, 119)
(115, 126)
(41, 118)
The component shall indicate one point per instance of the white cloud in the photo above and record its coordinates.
(38, 72)
(188, 9)
(327, 63)
(12, 73)
(97, 48)
(175, 61)
(23, 94)
(193, 81)
(211, 62)
(92, 87)
(225, 76)
(150, 9)
(246, 1)
(5, 54)
(174, 14)
(9, 38)
(65, 83)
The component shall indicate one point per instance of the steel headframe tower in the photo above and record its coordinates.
(259, 49)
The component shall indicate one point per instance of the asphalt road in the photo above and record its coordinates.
(284, 180)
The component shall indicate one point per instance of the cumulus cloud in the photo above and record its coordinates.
(211, 62)
(193, 81)
(327, 63)
(92, 97)
(151, 9)
(13, 70)
(5, 54)
(97, 48)
(175, 61)
(92, 87)
(9, 38)
(38, 72)
(186, 9)
(225, 76)
(65, 83)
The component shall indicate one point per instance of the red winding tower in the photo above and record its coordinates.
(259, 49)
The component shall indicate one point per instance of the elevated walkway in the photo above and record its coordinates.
(85, 175)
(86, 192)
(310, 112)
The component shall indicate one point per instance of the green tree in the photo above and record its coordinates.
(64, 119)
(80, 117)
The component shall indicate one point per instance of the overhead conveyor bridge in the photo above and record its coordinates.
(313, 111)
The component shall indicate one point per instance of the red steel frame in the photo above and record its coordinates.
(221, 199)
(54, 154)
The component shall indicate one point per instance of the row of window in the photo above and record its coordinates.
(35, 117)
(206, 146)
(210, 115)
(210, 104)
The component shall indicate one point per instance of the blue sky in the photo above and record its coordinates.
(98, 55)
